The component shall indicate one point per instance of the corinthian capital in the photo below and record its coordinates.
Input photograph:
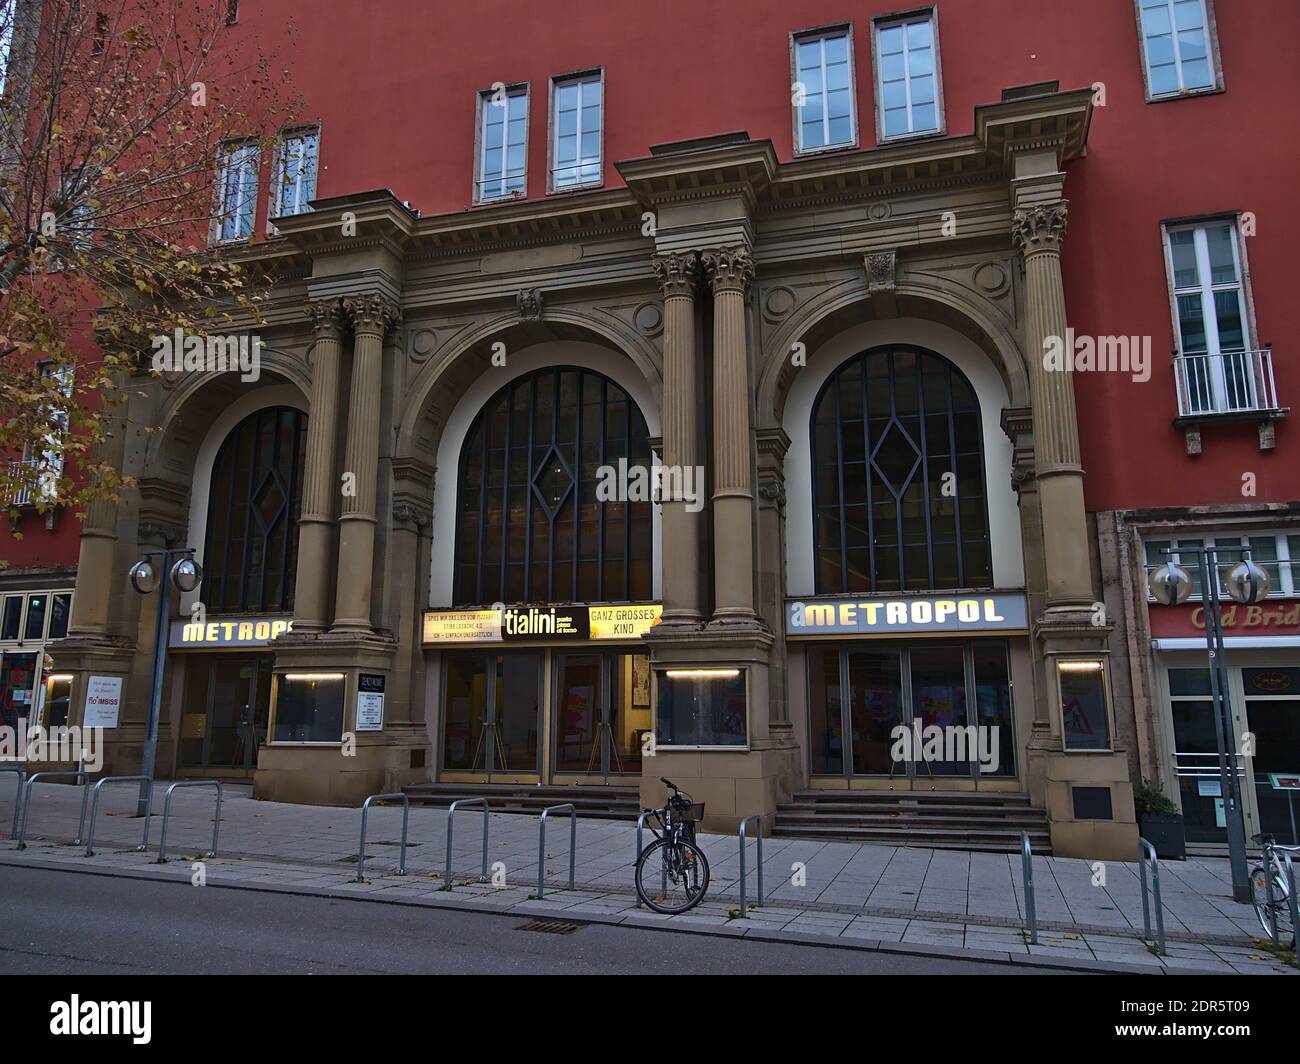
(677, 272)
(327, 317)
(728, 269)
(372, 314)
(1040, 228)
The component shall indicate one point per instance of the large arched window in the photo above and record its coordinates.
(250, 554)
(898, 476)
(530, 527)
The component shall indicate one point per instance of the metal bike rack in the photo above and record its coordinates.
(1145, 848)
(396, 796)
(541, 845)
(1289, 870)
(18, 795)
(451, 810)
(167, 810)
(80, 774)
(759, 837)
(640, 827)
(1027, 871)
(146, 785)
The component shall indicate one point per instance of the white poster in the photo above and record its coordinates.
(370, 711)
(103, 697)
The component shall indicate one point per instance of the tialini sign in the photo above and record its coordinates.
(541, 624)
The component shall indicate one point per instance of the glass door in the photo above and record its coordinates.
(224, 715)
(491, 721)
(17, 686)
(601, 713)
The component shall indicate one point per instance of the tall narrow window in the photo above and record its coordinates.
(1177, 47)
(236, 192)
(898, 476)
(251, 550)
(503, 144)
(232, 12)
(531, 525)
(576, 132)
(45, 460)
(297, 159)
(909, 98)
(823, 91)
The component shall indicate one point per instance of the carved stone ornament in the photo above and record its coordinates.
(677, 272)
(882, 267)
(530, 302)
(327, 317)
(1040, 228)
(406, 514)
(728, 269)
(373, 314)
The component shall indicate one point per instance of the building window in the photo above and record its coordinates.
(531, 527)
(503, 144)
(250, 553)
(898, 476)
(909, 97)
(297, 158)
(823, 91)
(307, 707)
(1277, 553)
(232, 12)
(46, 461)
(1085, 710)
(35, 616)
(576, 131)
(236, 192)
(1178, 48)
(99, 39)
(704, 707)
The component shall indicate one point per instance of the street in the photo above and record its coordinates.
(67, 923)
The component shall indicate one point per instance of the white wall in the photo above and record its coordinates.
(557, 353)
(1004, 517)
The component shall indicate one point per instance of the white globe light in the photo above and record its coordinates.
(1248, 583)
(144, 576)
(1170, 585)
(186, 574)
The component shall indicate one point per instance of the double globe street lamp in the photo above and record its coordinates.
(184, 574)
(1247, 583)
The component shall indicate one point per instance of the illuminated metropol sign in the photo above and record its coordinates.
(238, 632)
(911, 614)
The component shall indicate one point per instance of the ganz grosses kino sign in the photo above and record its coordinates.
(909, 615)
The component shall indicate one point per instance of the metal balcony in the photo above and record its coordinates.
(1226, 386)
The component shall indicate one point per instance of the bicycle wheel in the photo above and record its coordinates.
(1259, 896)
(672, 877)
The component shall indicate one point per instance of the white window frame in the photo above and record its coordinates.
(1212, 54)
(514, 91)
(595, 75)
(226, 153)
(823, 34)
(904, 19)
(1286, 587)
(48, 458)
(21, 643)
(278, 188)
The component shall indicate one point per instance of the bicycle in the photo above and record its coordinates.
(672, 873)
(1279, 909)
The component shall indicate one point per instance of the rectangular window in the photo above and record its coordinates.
(297, 159)
(308, 707)
(1277, 553)
(503, 144)
(47, 461)
(232, 12)
(236, 192)
(1085, 713)
(1177, 47)
(60, 612)
(909, 99)
(576, 132)
(11, 618)
(823, 91)
(702, 707)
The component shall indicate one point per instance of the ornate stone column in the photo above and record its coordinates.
(729, 271)
(677, 273)
(1038, 229)
(372, 316)
(320, 489)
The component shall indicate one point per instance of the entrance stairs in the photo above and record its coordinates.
(615, 802)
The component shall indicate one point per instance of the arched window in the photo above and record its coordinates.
(250, 554)
(898, 476)
(530, 527)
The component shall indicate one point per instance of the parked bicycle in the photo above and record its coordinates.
(672, 873)
(1280, 908)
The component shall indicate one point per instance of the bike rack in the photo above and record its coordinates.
(640, 827)
(167, 811)
(147, 785)
(541, 845)
(1285, 859)
(1292, 901)
(1145, 848)
(1027, 871)
(18, 795)
(80, 774)
(396, 796)
(451, 809)
(759, 837)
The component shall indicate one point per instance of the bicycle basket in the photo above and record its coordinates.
(691, 813)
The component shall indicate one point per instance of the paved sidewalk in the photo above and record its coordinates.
(847, 894)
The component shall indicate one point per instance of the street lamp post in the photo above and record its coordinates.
(185, 574)
(1247, 584)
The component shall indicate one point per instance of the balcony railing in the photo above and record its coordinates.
(1225, 382)
(43, 485)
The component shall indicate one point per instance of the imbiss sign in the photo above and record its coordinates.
(913, 614)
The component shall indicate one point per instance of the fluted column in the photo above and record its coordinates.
(1038, 230)
(729, 272)
(372, 316)
(677, 273)
(320, 489)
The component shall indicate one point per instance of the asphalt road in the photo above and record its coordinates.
(59, 922)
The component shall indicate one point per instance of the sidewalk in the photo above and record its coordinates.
(846, 894)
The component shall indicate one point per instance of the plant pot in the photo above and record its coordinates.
(1166, 833)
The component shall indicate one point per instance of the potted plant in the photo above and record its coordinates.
(1159, 821)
